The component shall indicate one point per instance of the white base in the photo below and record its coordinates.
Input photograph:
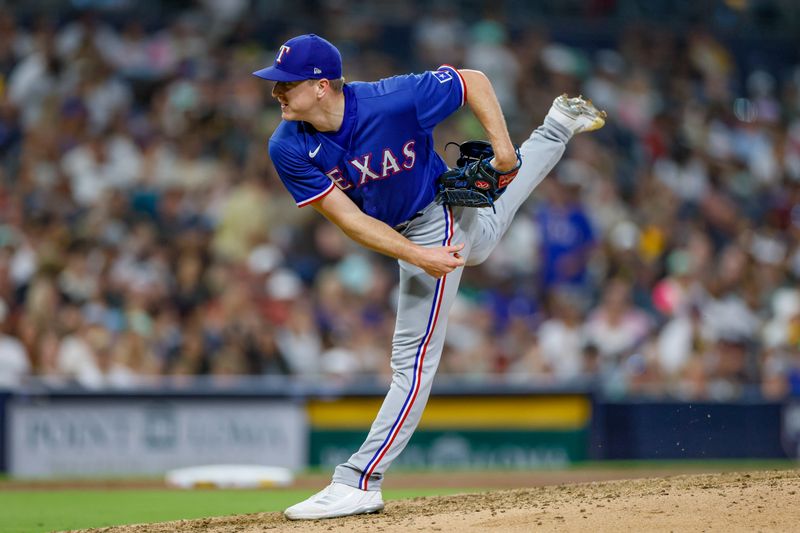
(229, 477)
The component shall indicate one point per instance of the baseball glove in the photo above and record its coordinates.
(474, 182)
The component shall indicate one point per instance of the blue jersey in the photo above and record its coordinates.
(382, 157)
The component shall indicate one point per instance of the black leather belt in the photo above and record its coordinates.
(401, 227)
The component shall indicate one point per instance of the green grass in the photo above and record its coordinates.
(39, 511)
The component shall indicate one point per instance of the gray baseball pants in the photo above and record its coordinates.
(425, 302)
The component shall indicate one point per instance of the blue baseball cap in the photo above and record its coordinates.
(305, 57)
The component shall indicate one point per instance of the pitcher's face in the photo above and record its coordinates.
(297, 98)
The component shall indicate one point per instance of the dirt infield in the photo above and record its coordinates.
(732, 501)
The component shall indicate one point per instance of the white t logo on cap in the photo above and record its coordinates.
(317, 71)
(283, 49)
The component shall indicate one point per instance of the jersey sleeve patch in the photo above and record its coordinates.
(447, 73)
(437, 94)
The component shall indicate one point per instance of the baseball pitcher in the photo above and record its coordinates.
(362, 155)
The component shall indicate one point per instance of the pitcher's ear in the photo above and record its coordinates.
(322, 86)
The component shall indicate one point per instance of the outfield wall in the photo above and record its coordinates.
(673, 430)
(4, 396)
(82, 436)
(512, 431)
(51, 434)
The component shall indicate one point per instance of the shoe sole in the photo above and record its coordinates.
(366, 509)
(598, 116)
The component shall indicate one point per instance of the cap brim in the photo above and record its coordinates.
(276, 74)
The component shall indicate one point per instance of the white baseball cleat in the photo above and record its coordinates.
(576, 114)
(337, 499)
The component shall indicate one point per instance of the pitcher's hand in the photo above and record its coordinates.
(440, 260)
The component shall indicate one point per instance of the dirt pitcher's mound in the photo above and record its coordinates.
(756, 501)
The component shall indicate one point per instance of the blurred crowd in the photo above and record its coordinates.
(146, 239)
